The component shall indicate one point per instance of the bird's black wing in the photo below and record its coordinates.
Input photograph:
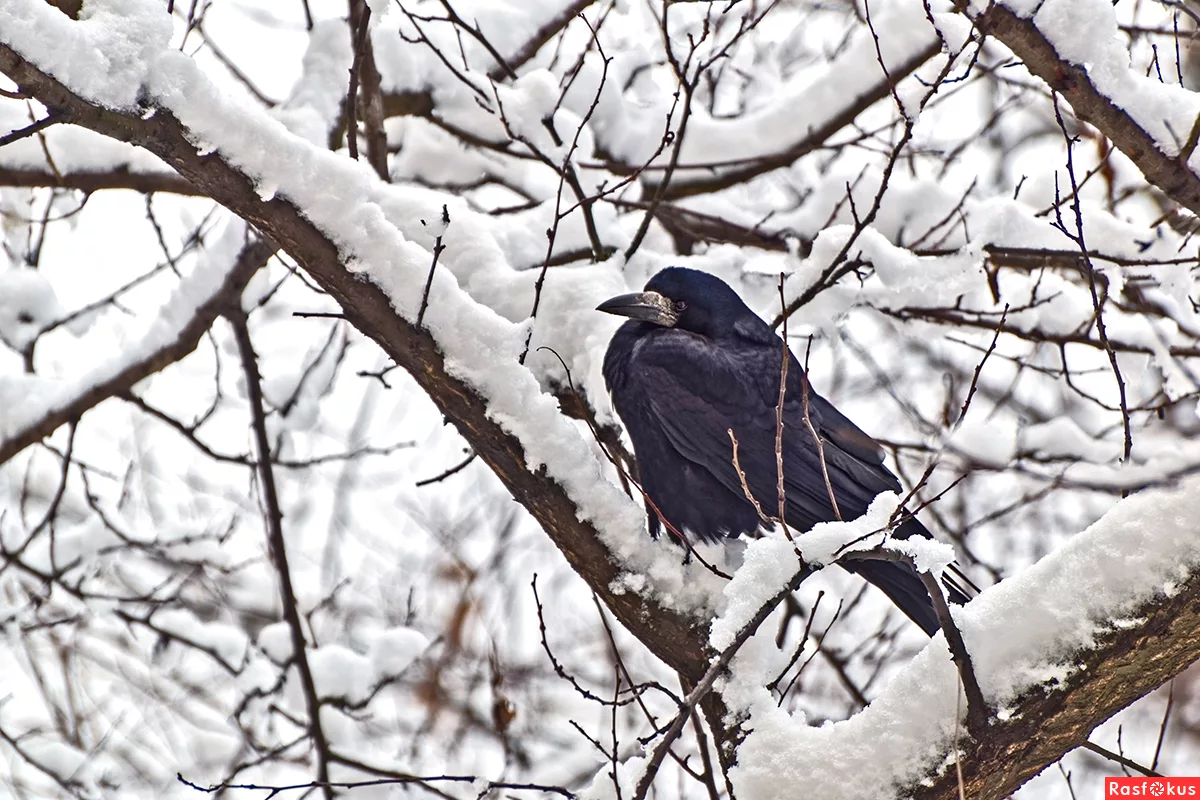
(701, 390)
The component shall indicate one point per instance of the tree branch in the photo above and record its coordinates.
(1029, 44)
(95, 181)
(1125, 665)
(88, 395)
(677, 639)
(275, 541)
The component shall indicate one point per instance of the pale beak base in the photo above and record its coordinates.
(647, 306)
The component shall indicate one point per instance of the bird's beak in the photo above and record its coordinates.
(648, 306)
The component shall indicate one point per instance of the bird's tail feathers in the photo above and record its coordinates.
(903, 587)
(959, 588)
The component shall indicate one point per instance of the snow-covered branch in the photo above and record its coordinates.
(569, 498)
(1058, 649)
(198, 303)
(1155, 124)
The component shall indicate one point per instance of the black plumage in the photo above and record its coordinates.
(694, 362)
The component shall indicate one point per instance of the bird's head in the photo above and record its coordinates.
(678, 297)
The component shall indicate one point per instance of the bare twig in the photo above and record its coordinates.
(785, 356)
(1162, 728)
(438, 247)
(1117, 758)
(276, 546)
(820, 444)
(30, 129)
(705, 684)
(1097, 305)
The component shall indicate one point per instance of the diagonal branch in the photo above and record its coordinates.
(1124, 666)
(674, 637)
(72, 404)
(275, 541)
(694, 182)
(1030, 44)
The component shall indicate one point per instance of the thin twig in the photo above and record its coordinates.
(276, 545)
(977, 713)
(737, 466)
(1090, 273)
(438, 247)
(1162, 728)
(804, 384)
(784, 358)
(454, 470)
(1117, 758)
(705, 684)
(29, 130)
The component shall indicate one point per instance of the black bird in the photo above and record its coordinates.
(694, 362)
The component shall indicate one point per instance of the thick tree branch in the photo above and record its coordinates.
(1170, 174)
(677, 639)
(1126, 665)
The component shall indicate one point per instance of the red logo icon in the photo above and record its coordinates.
(1115, 788)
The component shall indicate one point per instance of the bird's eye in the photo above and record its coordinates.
(680, 305)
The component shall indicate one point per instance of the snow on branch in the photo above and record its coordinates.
(1155, 124)
(1058, 649)
(357, 237)
(216, 283)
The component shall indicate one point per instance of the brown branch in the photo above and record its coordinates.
(1073, 82)
(275, 542)
(365, 83)
(715, 670)
(145, 182)
(249, 261)
(544, 34)
(677, 639)
(693, 183)
(967, 319)
(693, 179)
(977, 710)
(29, 130)
(1124, 666)
(1090, 273)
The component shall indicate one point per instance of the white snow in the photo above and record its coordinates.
(27, 305)
(46, 394)
(339, 672)
(275, 640)
(392, 651)
(1023, 632)
(1085, 32)
(103, 56)
(768, 563)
